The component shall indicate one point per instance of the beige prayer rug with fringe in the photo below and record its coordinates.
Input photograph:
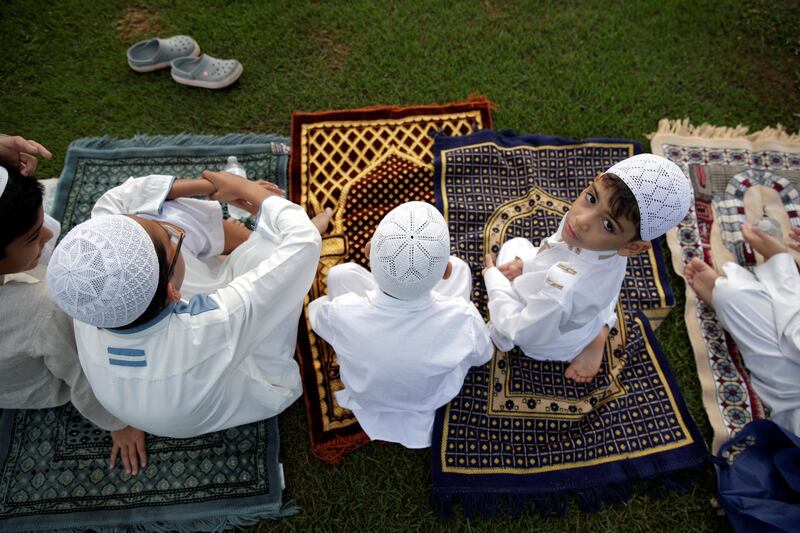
(737, 177)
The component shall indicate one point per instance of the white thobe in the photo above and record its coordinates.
(400, 360)
(39, 366)
(762, 314)
(560, 302)
(217, 360)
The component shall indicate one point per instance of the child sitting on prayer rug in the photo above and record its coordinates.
(39, 366)
(223, 358)
(558, 301)
(761, 311)
(405, 334)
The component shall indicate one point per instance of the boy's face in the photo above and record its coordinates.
(590, 224)
(23, 253)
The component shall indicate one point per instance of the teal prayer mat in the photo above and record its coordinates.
(94, 165)
(54, 476)
(520, 433)
(54, 463)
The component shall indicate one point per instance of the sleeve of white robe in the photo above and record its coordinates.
(531, 320)
(55, 340)
(259, 300)
(484, 349)
(319, 312)
(782, 281)
(148, 196)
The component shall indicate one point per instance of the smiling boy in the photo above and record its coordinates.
(558, 301)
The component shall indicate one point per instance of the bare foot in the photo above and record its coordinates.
(585, 367)
(323, 220)
(701, 279)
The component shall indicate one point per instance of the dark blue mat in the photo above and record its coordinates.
(519, 432)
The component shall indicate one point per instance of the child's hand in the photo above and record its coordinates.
(128, 443)
(488, 262)
(228, 186)
(512, 270)
(795, 236)
(761, 242)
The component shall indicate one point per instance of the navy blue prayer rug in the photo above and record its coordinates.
(519, 432)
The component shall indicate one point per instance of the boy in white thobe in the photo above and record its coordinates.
(762, 314)
(558, 302)
(406, 334)
(182, 368)
(39, 366)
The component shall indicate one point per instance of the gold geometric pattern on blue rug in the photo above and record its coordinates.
(517, 415)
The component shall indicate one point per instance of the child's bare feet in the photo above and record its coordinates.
(586, 366)
(701, 279)
(323, 220)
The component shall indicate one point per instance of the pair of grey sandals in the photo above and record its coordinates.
(189, 67)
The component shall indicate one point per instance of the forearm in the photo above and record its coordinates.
(185, 188)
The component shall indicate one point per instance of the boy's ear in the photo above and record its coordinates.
(367, 247)
(634, 248)
(173, 294)
(448, 270)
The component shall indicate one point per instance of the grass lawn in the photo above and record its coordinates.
(578, 69)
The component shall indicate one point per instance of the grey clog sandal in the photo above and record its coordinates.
(206, 71)
(154, 54)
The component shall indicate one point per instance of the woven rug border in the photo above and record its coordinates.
(183, 144)
(198, 516)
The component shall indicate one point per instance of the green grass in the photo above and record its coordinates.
(577, 69)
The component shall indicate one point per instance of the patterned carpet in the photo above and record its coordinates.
(53, 463)
(736, 177)
(519, 432)
(362, 163)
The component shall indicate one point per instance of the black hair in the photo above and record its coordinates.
(160, 297)
(622, 202)
(19, 207)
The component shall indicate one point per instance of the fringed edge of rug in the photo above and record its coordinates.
(210, 524)
(333, 451)
(181, 139)
(684, 128)
(556, 503)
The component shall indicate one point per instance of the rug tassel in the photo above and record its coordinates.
(181, 139)
(335, 450)
(684, 128)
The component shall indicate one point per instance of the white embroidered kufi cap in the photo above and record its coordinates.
(410, 250)
(3, 180)
(104, 272)
(663, 192)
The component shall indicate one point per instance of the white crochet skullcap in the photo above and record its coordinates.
(3, 179)
(410, 250)
(663, 192)
(104, 272)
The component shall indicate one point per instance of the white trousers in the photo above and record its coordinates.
(745, 309)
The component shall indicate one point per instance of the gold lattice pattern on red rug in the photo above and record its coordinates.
(361, 163)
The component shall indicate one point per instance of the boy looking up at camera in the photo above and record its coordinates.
(558, 301)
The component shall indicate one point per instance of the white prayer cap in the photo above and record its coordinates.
(410, 250)
(663, 192)
(104, 272)
(3, 179)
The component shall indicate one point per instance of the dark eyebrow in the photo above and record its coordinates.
(597, 195)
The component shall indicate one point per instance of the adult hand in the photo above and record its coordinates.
(129, 444)
(19, 153)
(795, 236)
(512, 270)
(762, 242)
